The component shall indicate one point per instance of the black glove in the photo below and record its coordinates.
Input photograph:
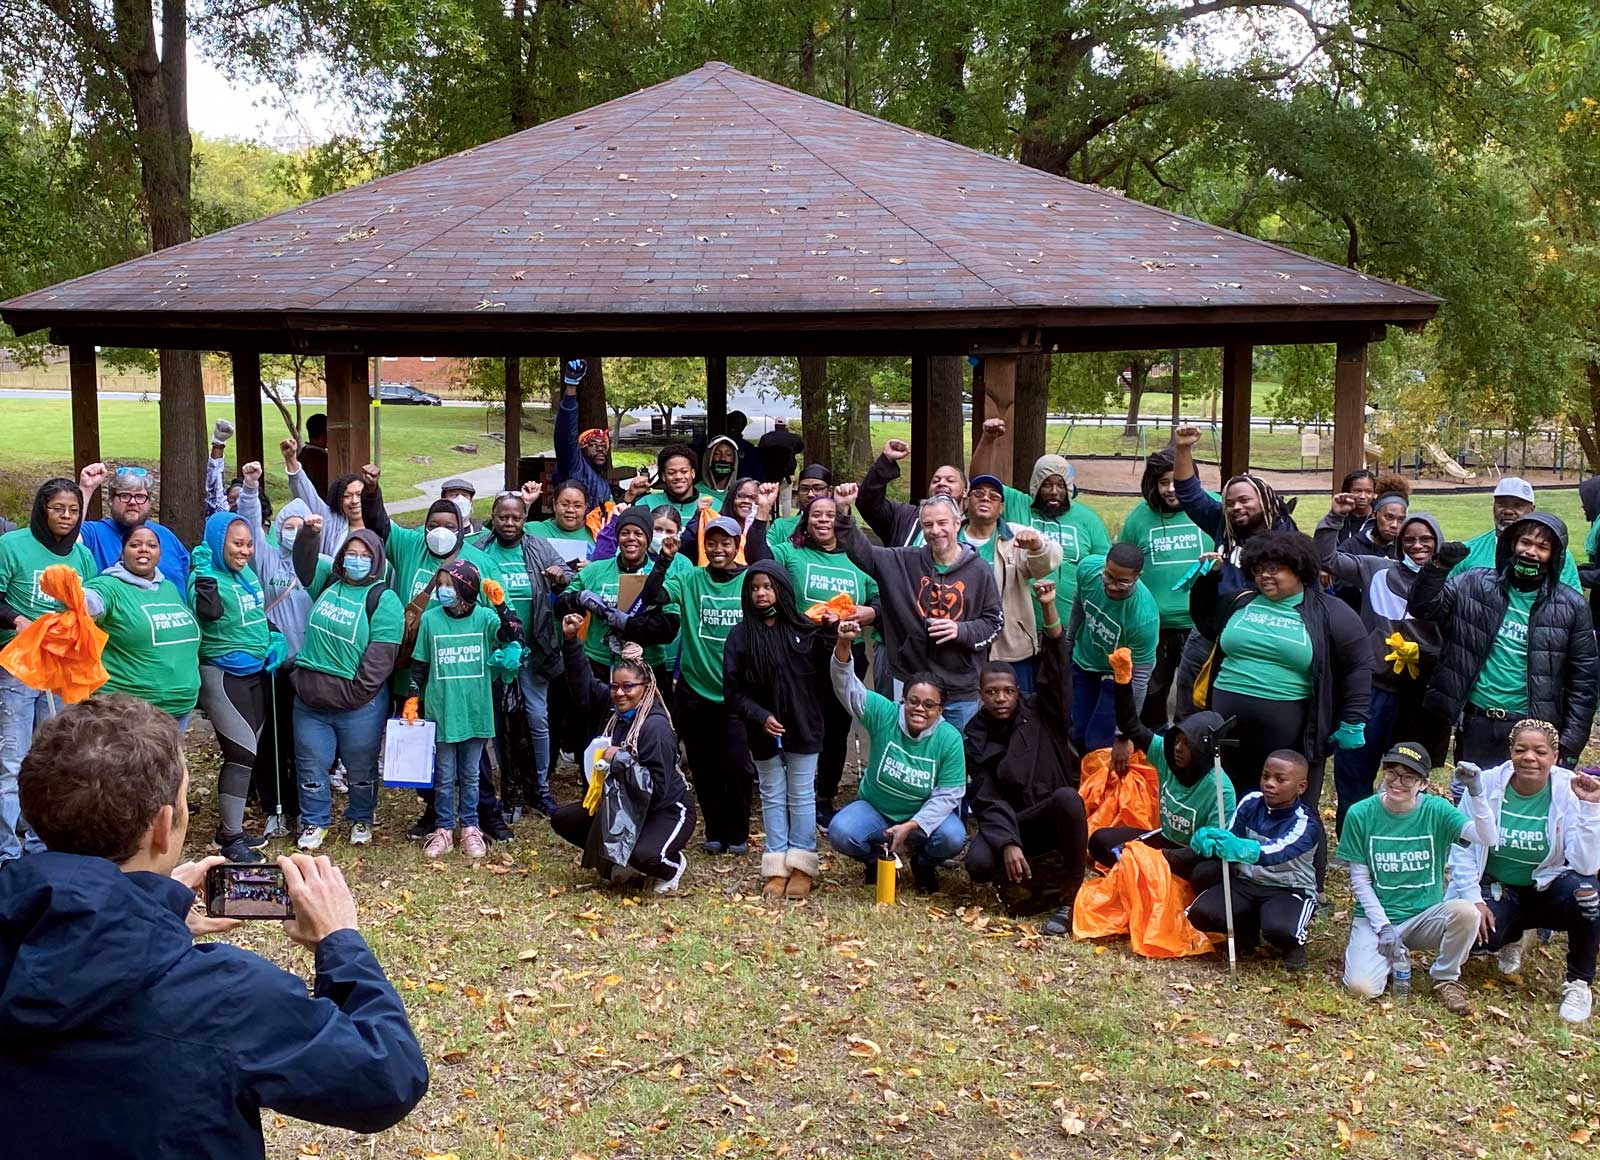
(1451, 553)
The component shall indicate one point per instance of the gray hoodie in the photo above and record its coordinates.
(288, 603)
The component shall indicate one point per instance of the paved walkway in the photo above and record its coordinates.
(488, 479)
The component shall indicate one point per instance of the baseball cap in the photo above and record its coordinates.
(992, 481)
(1409, 755)
(1515, 486)
(725, 525)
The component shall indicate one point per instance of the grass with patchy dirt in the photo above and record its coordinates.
(563, 1019)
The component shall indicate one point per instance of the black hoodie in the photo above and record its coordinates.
(793, 691)
(1469, 608)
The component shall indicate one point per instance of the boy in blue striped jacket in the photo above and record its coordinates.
(1272, 842)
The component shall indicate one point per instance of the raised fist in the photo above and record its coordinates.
(895, 450)
(531, 491)
(1451, 553)
(312, 524)
(1185, 436)
(994, 428)
(370, 473)
(252, 473)
(291, 451)
(1343, 504)
(93, 477)
(1028, 539)
(571, 623)
(849, 629)
(845, 494)
(766, 496)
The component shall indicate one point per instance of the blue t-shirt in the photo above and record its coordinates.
(105, 537)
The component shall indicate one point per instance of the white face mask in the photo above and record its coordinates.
(287, 535)
(656, 540)
(441, 541)
(464, 506)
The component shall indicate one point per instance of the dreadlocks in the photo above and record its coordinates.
(1272, 510)
(631, 659)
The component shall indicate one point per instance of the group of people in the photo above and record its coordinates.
(701, 650)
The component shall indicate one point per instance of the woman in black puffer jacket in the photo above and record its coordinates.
(1516, 641)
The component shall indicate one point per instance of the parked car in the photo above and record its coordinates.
(405, 395)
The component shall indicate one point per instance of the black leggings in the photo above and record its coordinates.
(1169, 652)
(1556, 907)
(1055, 824)
(272, 775)
(1262, 726)
(659, 851)
(1104, 842)
(1277, 914)
(237, 709)
(719, 761)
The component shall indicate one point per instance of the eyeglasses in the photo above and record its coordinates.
(624, 686)
(56, 509)
(1402, 780)
(929, 706)
(813, 489)
(132, 498)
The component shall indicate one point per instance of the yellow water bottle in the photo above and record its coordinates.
(886, 868)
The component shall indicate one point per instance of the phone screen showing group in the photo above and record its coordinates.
(247, 891)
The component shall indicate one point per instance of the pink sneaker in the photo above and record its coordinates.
(472, 843)
(438, 844)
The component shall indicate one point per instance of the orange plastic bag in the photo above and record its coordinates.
(1143, 899)
(1133, 799)
(60, 652)
(839, 604)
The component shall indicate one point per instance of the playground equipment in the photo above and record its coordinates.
(1448, 465)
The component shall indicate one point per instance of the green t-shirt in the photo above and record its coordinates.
(338, 631)
(819, 575)
(688, 507)
(513, 568)
(459, 696)
(1481, 552)
(412, 566)
(23, 560)
(571, 546)
(1078, 530)
(1524, 838)
(603, 577)
(707, 611)
(1591, 542)
(153, 644)
(242, 627)
(1171, 544)
(1267, 651)
(984, 548)
(902, 772)
(1133, 622)
(1185, 809)
(780, 529)
(1406, 853)
(1503, 681)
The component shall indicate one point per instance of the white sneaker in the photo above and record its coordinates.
(1509, 958)
(360, 834)
(311, 837)
(336, 779)
(277, 827)
(670, 885)
(1575, 1001)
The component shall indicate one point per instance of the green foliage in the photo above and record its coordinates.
(655, 384)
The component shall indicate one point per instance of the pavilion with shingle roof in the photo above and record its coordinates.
(717, 214)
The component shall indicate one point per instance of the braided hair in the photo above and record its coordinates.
(1550, 732)
(1272, 510)
(631, 658)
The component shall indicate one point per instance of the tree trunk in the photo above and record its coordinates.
(1031, 416)
(1138, 376)
(1588, 432)
(814, 425)
(858, 426)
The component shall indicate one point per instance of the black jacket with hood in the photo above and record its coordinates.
(656, 748)
(794, 692)
(894, 523)
(1589, 570)
(1018, 764)
(1470, 606)
(1199, 729)
(1341, 664)
(121, 1037)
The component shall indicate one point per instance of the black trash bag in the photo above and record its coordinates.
(624, 804)
(1045, 890)
(518, 774)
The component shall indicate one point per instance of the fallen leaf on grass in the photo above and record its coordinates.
(1073, 1124)
(864, 1048)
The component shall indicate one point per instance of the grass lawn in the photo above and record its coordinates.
(562, 1019)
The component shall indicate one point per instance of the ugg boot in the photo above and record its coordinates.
(802, 866)
(777, 876)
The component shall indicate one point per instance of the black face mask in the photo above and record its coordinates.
(1526, 573)
(770, 612)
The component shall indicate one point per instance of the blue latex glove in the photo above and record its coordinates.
(1350, 735)
(1207, 841)
(506, 660)
(277, 650)
(617, 619)
(200, 558)
(1196, 570)
(1236, 849)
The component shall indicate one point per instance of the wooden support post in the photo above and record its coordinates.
(1032, 408)
(921, 427)
(1236, 376)
(946, 388)
(716, 396)
(1349, 409)
(249, 440)
(349, 419)
(978, 402)
(1000, 397)
(513, 422)
(85, 414)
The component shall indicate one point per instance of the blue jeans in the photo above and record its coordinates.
(455, 782)
(536, 706)
(1027, 670)
(788, 784)
(354, 735)
(857, 828)
(22, 710)
(1355, 770)
(1094, 710)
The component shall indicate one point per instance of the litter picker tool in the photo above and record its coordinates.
(1218, 739)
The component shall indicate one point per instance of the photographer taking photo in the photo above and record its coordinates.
(119, 1035)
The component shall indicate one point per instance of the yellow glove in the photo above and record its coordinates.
(597, 777)
(1122, 666)
(492, 591)
(1405, 655)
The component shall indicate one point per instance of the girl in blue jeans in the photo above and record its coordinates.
(915, 776)
(774, 665)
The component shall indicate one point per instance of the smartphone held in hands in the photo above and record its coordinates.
(241, 890)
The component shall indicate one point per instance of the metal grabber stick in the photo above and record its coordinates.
(1227, 882)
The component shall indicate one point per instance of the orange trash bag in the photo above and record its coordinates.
(839, 604)
(1133, 799)
(1143, 899)
(60, 652)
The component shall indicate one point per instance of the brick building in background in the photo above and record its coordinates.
(442, 376)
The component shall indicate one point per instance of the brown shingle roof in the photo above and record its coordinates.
(727, 199)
